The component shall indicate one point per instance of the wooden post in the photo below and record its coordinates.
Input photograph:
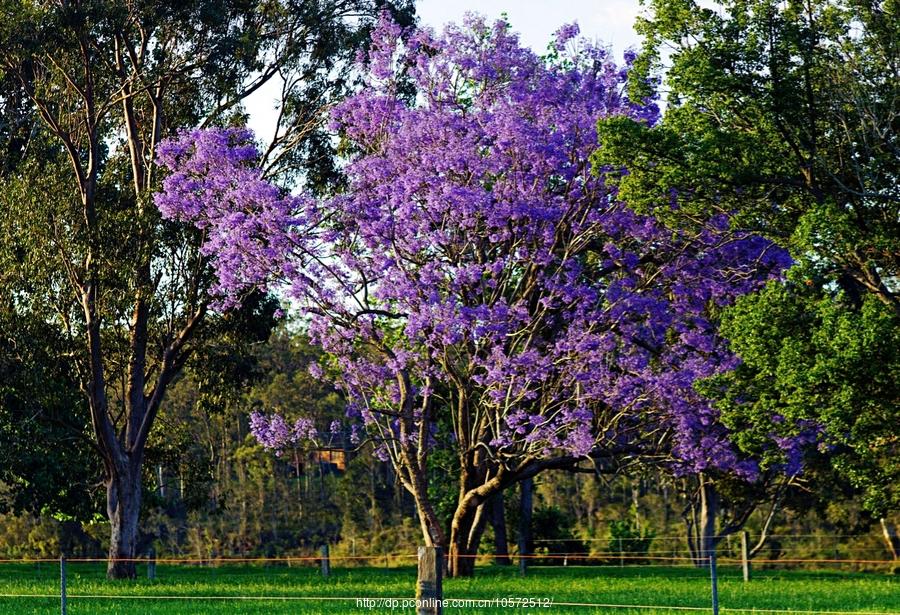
(429, 590)
(326, 562)
(745, 556)
(62, 583)
(523, 556)
(714, 581)
(151, 564)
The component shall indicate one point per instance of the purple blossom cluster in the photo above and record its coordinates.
(249, 225)
(476, 266)
(274, 433)
(794, 446)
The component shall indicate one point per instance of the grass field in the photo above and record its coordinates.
(211, 587)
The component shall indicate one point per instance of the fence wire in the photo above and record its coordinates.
(89, 570)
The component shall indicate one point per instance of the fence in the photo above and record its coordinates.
(235, 580)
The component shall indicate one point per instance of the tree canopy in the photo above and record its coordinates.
(100, 84)
(476, 268)
(785, 115)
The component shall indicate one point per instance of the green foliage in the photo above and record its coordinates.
(553, 532)
(626, 536)
(780, 113)
(24, 536)
(45, 465)
(784, 115)
(443, 482)
(364, 495)
(808, 355)
(284, 382)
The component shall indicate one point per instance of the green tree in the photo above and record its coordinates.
(46, 463)
(104, 82)
(786, 114)
(809, 355)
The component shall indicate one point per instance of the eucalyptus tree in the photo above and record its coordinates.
(105, 82)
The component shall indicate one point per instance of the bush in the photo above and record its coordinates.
(554, 536)
(626, 537)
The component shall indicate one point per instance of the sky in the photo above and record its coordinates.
(609, 21)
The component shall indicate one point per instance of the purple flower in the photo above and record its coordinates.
(564, 34)
(474, 251)
(274, 433)
(315, 370)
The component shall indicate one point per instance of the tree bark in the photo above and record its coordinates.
(123, 506)
(467, 524)
(466, 530)
(480, 490)
(709, 508)
(700, 519)
(123, 453)
(497, 518)
(431, 527)
(526, 506)
(891, 539)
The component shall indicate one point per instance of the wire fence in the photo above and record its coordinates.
(79, 582)
(599, 560)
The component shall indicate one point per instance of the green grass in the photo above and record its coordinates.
(776, 589)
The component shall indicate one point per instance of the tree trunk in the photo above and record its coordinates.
(466, 530)
(700, 520)
(123, 506)
(709, 508)
(497, 517)
(432, 532)
(665, 499)
(891, 539)
(526, 506)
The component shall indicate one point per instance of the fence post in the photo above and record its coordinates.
(62, 583)
(151, 564)
(326, 562)
(745, 556)
(429, 590)
(714, 580)
(621, 554)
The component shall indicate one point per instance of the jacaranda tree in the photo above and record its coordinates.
(477, 285)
